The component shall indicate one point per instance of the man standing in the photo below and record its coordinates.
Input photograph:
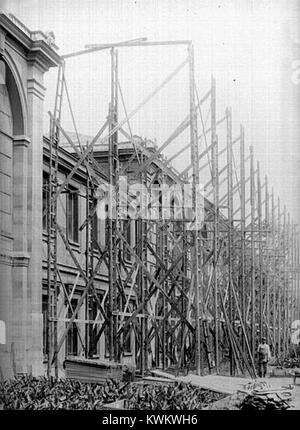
(264, 356)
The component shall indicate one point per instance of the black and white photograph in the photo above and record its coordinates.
(149, 208)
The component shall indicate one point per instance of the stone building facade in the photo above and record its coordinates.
(25, 56)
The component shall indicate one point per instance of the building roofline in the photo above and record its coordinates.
(35, 43)
(69, 160)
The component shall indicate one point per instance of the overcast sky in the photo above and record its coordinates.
(243, 43)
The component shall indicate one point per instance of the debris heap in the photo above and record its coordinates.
(262, 397)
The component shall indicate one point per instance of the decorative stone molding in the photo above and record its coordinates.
(34, 35)
(6, 259)
(34, 43)
(15, 259)
(21, 141)
(36, 88)
(2, 41)
(21, 259)
(18, 24)
(38, 57)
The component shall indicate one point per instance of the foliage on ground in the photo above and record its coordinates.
(27, 392)
(171, 397)
(42, 393)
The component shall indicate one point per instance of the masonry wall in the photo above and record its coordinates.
(24, 62)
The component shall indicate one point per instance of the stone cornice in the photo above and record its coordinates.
(38, 51)
(38, 56)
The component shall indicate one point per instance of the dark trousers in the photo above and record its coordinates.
(262, 368)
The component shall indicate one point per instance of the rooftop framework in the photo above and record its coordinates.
(203, 297)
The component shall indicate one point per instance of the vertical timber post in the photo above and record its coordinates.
(196, 201)
(230, 229)
(88, 254)
(267, 261)
(216, 244)
(297, 263)
(260, 255)
(287, 268)
(293, 273)
(279, 258)
(284, 279)
(273, 276)
(243, 237)
(113, 213)
(52, 274)
(252, 244)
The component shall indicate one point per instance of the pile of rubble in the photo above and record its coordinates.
(261, 396)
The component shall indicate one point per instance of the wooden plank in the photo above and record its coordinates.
(161, 374)
(221, 384)
(160, 380)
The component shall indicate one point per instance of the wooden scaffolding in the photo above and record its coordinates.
(206, 287)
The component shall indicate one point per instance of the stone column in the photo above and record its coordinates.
(6, 358)
(35, 97)
(20, 255)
